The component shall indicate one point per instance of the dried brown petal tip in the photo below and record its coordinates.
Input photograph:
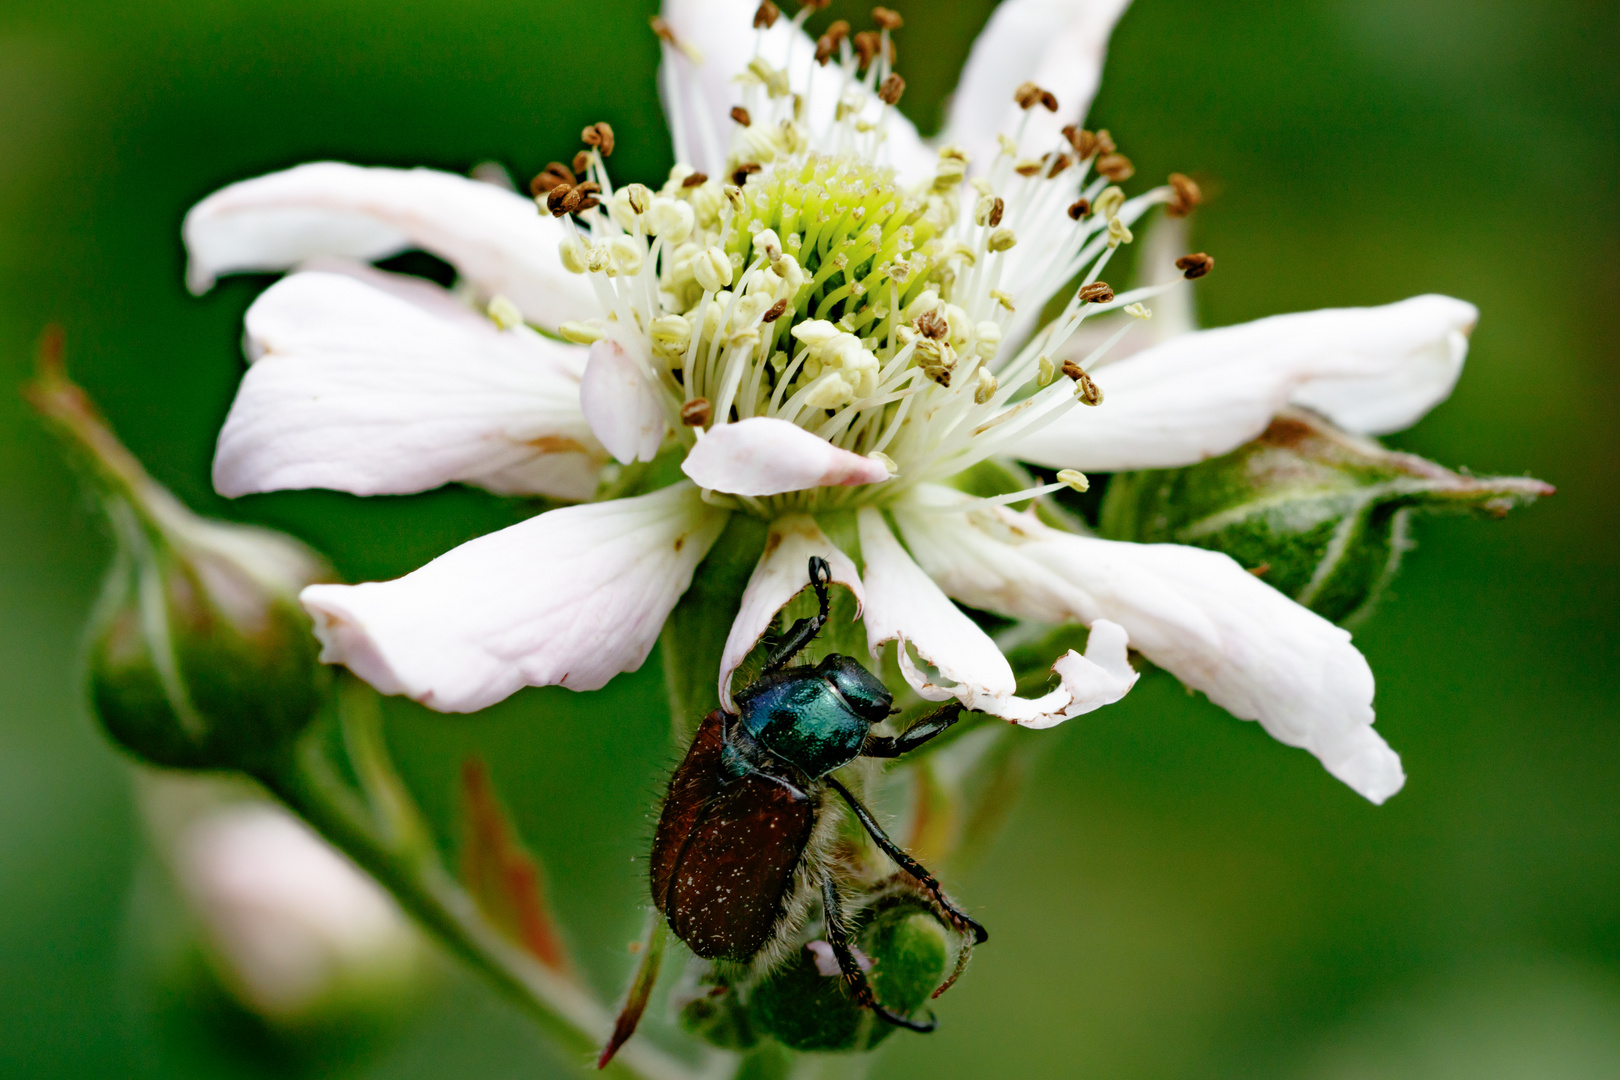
(695, 179)
(765, 15)
(695, 413)
(1185, 195)
(891, 89)
(743, 172)
(1195, 266)
(930, 325)
(1079, 208)
(1098, 292)
(774, 312)
(886, 19)
(600, 136)
(740, 114)
(1117, 167)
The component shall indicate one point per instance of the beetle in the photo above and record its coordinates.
(742, 846)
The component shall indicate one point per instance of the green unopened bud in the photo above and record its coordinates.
(806, 1008)
(200, 655)
(1322, 515)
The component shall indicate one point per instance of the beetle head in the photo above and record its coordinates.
(865, 693)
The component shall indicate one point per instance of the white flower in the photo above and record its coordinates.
(823, 314)
(292, 922)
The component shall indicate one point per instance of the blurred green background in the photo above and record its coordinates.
(1176, 896)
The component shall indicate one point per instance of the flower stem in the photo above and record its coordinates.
(403, 862)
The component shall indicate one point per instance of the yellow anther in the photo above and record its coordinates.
(1074, 478)
(503, 313)
(581, 333)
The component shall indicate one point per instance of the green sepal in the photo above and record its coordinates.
(694, 636)
(1322, 515)
(806, 1010)
(715, 1013)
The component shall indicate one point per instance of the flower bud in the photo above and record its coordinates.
(1320, 514)
(806, 1006)
(292, 929)
(200, 654)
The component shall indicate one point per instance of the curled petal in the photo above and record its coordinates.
(1086, 683)
(905, 606)
(1057, 44)
(620, 403)
(764, 456)
(374, 392)
(568, 598)
(492, 236)
(778, 577)
(1203, 394)
(1195, 613)
(698, 97)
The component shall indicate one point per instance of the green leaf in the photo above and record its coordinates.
(1322, 515)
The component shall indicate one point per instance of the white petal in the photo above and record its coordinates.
(497, 239)
(1086, 683)
(1400, 394)
(1203, 394)
(782, 572)
(569, 598)
(1195, 613)
(622, 407)
(374, 392)
(722, 31)
(1057, 44)
(905, 606)
(765, 456)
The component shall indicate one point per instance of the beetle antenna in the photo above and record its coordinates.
(804, 631)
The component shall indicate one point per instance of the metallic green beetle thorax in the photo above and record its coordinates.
(804, 720)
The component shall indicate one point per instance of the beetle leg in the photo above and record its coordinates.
(882, 746)
(804, 631)
(961, 919)
(854, 977)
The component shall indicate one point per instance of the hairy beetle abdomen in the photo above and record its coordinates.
(725, 852)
